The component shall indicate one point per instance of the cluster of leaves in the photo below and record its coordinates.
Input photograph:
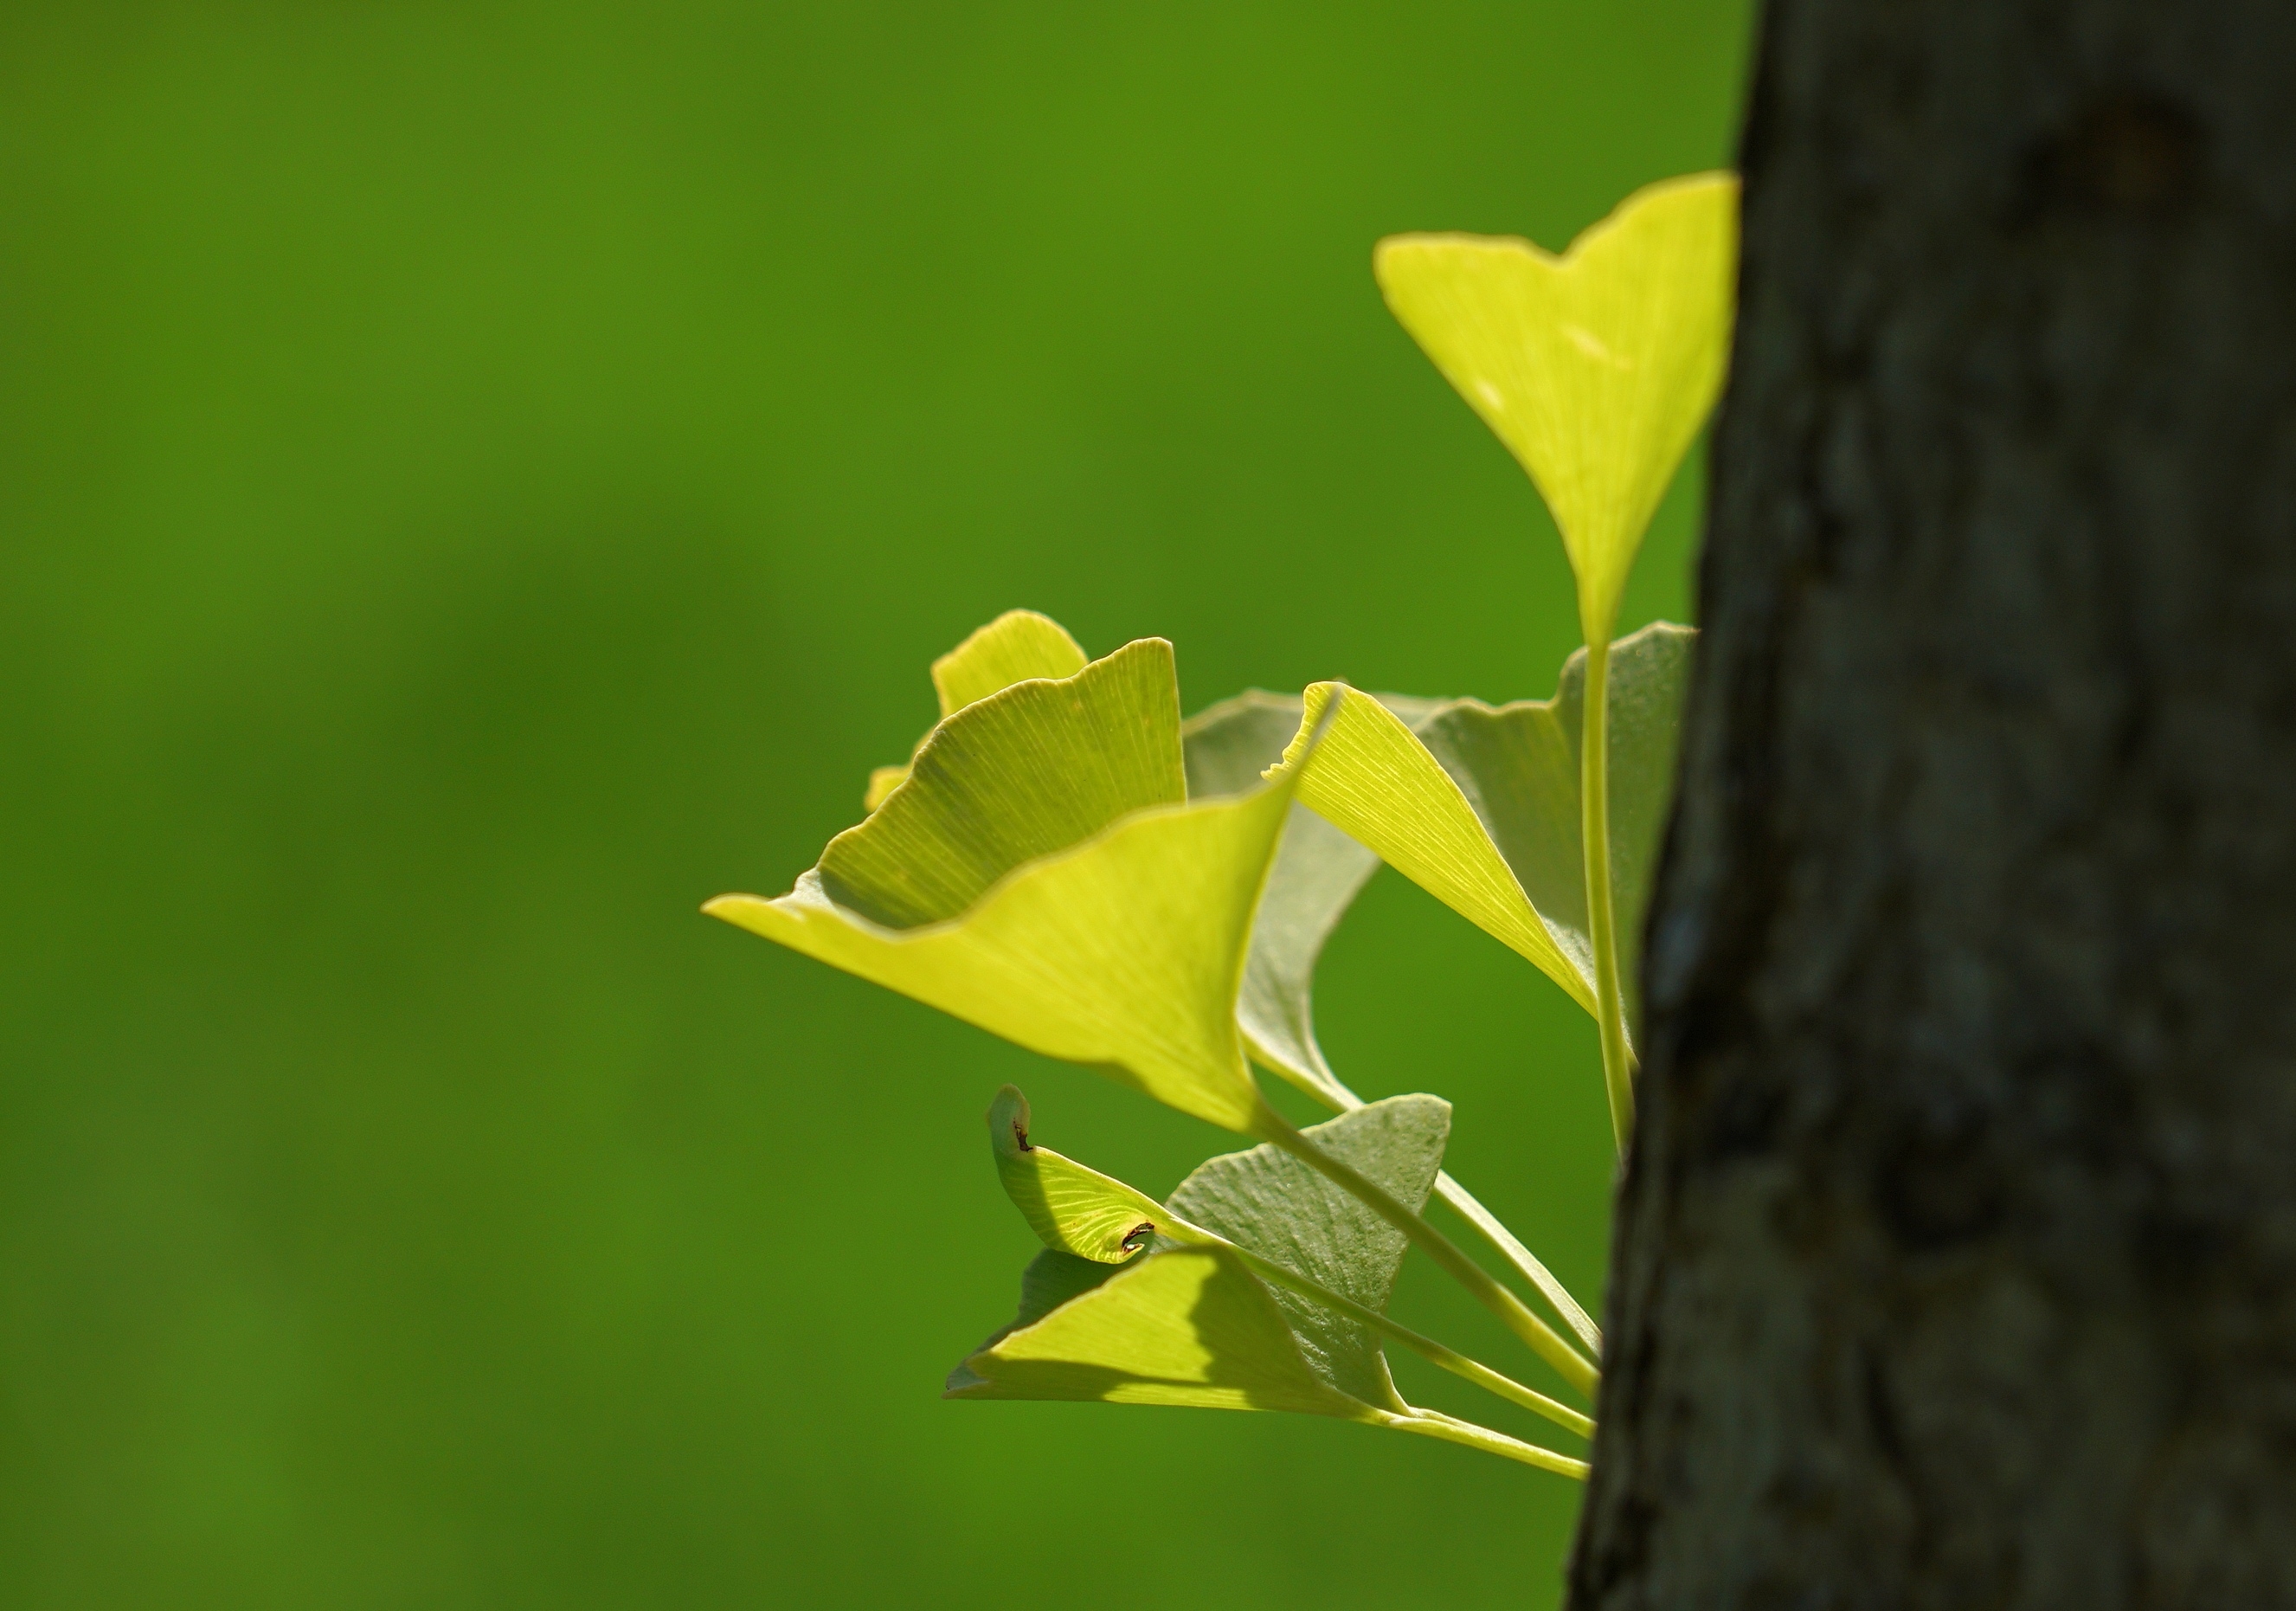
(1067, 863)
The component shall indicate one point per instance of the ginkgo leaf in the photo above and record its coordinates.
(1018, 646)
(1188, 1326)
(1326, 1265)
(1025, 880)
(1028, 770)
(1265, 1201)
(1519, 765)
(1288, 1353)
(1072, 1209)
(1269, 1202)
(1597, 367)
(1372, 779)
(1481, 807)
(1051, 1279)
(1317, 874)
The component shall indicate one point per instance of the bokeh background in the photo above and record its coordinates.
(477, 479)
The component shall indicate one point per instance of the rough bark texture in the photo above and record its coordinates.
(1956, 1259)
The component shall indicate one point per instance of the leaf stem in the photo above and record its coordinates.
(1594, 831)
(1500, 1300)
(1333, 1092)
(1431, 1423)
(1458, 1364)
(1526, 1262)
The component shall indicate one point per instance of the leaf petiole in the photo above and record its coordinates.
(1499, 1299)
(1433, 1423)
(1526, 1262)
(1334, 1093)
(1601, 926)
(1458, 1364)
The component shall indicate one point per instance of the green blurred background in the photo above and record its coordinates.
(478, 480)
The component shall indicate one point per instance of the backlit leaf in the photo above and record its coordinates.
(1596, 368)
(1518, 764)
(1038, 876)
(1480, 807)
(1317, 874)
(1187, 1327)
(1072, 1209)
(1028, 770)
(1213, 1318)
(1051, 1279)
(1016, 646)
(1263, 1200)
(1269, 1202)
(1372, 779)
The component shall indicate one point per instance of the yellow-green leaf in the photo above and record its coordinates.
(1519, 766)
(1371, 779)
(1051, 1279)
(1268, 1203)
(1027, 879)
(1479, 804)
(1190, 1326)
(1123, 953)
(1596, 368)
(1317, 874)
(1263, 1200)
(1020, 773)
(1321, 1265)
(1318, 870)
(1072, 1209)
(1018, 646)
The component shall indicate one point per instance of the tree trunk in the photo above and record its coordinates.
(1956, 1253)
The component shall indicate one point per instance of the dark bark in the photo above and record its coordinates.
(1956, 1256)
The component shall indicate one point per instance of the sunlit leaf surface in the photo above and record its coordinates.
(1189, 1327)
(1016, 646)
(1038, 874)
(1073, 1210)
(1317, 874)
(1261, 1199)
(1480, 806)
(1270, 1202)
(1597, 367)
(1024, 772)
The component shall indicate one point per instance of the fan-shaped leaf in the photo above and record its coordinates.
(1265, 1201)
(1595, 369)
(1025, 771)
(1073, 1210)
(1269, 1202)
(1373, 780)
(1480, 807)
(1081, 1333)
(1051, 1279)
(1317, 874)
(967, 891)
(1190, 1326)
(1018, 646)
